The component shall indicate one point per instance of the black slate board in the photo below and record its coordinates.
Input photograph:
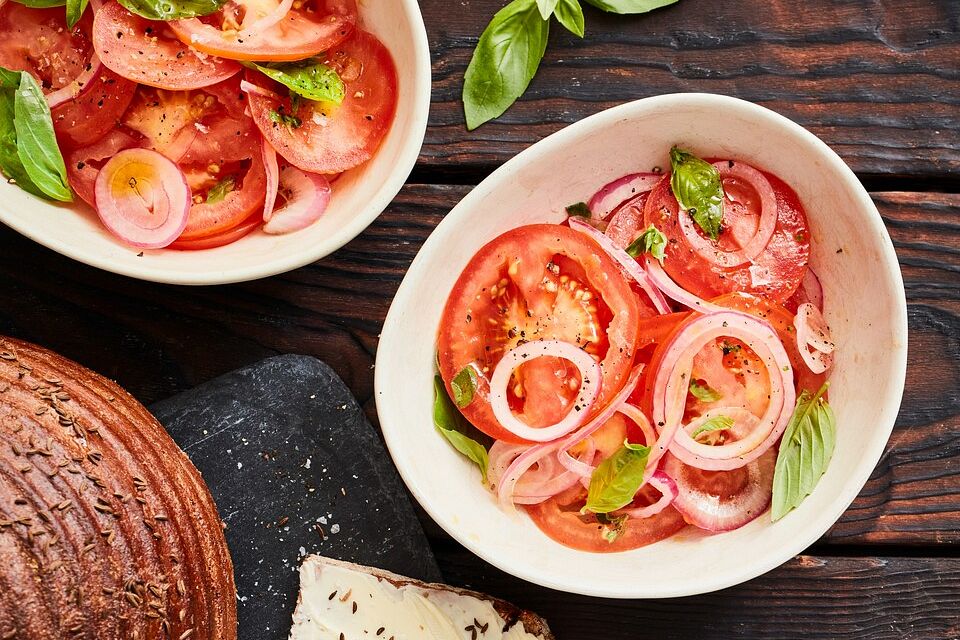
(251, 433)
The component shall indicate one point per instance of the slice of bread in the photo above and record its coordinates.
(346, 601)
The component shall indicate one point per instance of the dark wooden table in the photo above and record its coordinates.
(879, 80)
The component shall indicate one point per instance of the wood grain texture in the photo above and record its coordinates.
(157, 340)
(879, 80)
(808, 597)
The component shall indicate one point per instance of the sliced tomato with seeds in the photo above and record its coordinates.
(775, 273)
(150, 53)
(221, 239)
(537, 282)
(328, 138)
(313, 27)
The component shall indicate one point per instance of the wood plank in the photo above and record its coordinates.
(157, 340)
(879, 81)
(808, 597)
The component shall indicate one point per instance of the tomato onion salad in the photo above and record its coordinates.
(189, 124)
(658, 360)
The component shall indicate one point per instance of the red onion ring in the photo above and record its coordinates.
(665, 485)
(814, 341)
(79, 86)
(707, 511)
(143, 198)
(267, 21)
(671, 385)
(812, 288)
(672, 290)
(307, 195)
(273, 179)
(626, 262)
(517, 468)
(249, 87)
(534, 485)
(708, 249)
(590, 381)
(613, 194)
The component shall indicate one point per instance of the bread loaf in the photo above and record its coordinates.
(107, 530)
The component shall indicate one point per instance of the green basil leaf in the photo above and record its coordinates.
(697, 187)
(220, 190)
(505, 60)
(579, 209)
(36, 142)
(629, 6)
(41, 4)
(617, 479)
(464, 386)
(9, 159)
(308, 78)
(285, 119)
(805, 452)
(570, 15)
(704, 392)
(651, 241)
(546, 8)
(9, 79)
(612, 527)
(75, 9)
(447, 422)
(166, 10)
(716, 423)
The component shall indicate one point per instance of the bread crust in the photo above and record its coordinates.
(107, 530)
(508, 612)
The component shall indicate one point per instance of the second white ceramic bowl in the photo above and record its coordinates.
(865, 307)
(359, 196)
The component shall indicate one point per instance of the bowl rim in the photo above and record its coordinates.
(283, 263)
(851, 488)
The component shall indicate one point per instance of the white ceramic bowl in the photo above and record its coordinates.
(865, 307)
(359, 195)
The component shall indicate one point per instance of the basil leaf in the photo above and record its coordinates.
(546, 8)
(570, 15)
(36, 143)
(41, 4)
(505, 60)
(617, 479)
(696, 185)
(9, 79)
(805, 452)
(579, 209)
(75, 9)
(286, 119)
(704, 392)
(629, 6)
(447, 421)
(651, 241)
(612, 527)
(220, 190)
(307, 78)
(9, 159)
(716, 423)
(464, 386)
(166, 10)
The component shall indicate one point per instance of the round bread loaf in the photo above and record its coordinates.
(107, 530)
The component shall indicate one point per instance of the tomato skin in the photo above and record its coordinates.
(333, 139)
(86, 119)
(222, 238)
(559, 519)
(481, 321)
(38, 41)
(140, 50)
(782, 262)
(302, 33)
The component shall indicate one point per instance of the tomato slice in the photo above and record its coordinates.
(533, 283)
(310, 29)
(559, 518)
(334, 138)
(220, 239)
(149, 52)
(775, 273)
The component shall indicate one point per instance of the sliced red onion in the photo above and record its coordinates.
(590, 380)
(249, 87)
(814, 341)
(712, 512)
(671, 383)
(80, 85)
(672, 290)
(665, 485)
(752, 438)
(626, 262)
(615, 193)
(307, 196)
(812, 288)
(708, 249)
(520, 465)
(267, 21)
(143, 198)
(640, 419)
(273, 179)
